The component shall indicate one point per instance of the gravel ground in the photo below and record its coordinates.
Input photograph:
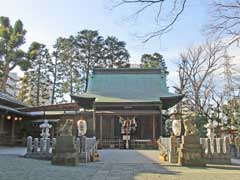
(114, 165)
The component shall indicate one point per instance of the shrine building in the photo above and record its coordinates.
(119, 105)
(136, 96)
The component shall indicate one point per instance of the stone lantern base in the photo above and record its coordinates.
(191, 152)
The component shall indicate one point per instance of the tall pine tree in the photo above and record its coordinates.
(115, 53)
(155, 60)
(89, 44)
(40, 64)
(11, 39)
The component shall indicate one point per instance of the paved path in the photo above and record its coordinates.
(130, 156)
(20, 151)
(114, 165)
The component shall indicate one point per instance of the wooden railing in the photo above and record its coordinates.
(111, 143)
(133, 144)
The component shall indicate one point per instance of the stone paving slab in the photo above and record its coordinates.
(114, 165)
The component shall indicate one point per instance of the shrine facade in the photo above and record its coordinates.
(126, 103)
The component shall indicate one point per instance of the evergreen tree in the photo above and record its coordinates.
(153, 61)
(70, 59)
(24, 90)
(115, 53)
(57, 71)
(11, 39)
(40, 64)
(90, 45)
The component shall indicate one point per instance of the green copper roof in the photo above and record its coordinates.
(127, 85)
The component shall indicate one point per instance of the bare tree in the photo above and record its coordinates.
(182, 87)
(225, 20)
(183, 79)
(169, 10)
(199, 65)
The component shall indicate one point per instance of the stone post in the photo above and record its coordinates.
(209, 152)
(35, 146)
(42, 145)
(83, 143)
(215, 145)
(226, 144)
(220, 146)
(78, 145)
(53, 143)
(48, 145)
(173, 153)
(29, 144)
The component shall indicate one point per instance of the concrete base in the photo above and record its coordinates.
(65, 153)
(65, 159)
(42, 156)
(191, 152)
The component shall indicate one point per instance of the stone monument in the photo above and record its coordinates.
(65, 152)
(191, 152)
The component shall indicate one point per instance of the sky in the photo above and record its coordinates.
(46, 20)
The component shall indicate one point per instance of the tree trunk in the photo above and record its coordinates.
(5, 78)
(4, 83)
(54, 82)
(197, 101)
(86, 83)
(38, 85)
(71, 80)
(87, 75)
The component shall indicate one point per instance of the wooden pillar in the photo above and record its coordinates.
(13, 132)
(153, 128)
(52, 131)
(101, 126)
(160, 124)
(142, 128)
(2, 118)
(94, 120)
(112, 127)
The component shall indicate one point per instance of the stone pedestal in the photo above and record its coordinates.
(173, 152)
(65, 152)
(191, 152)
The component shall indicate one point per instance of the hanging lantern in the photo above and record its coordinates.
(176, 127)
(82, 127)
(20, 118)
(8, 117)
(16, 118)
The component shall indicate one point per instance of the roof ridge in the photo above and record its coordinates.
(128, 71)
